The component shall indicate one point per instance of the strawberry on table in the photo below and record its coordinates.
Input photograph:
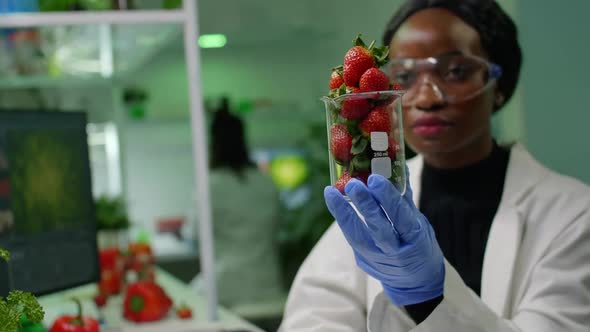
(184, 312)
(100, 300)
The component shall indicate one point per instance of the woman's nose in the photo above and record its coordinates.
(428, 96)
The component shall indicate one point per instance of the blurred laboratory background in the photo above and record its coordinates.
(264, 64)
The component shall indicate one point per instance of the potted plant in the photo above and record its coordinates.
(112, 222)
(19, 311)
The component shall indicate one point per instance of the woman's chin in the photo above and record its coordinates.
(431, 146)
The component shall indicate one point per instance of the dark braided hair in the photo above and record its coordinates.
(497, 31)
(229, 148)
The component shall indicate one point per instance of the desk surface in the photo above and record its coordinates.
(58, 304)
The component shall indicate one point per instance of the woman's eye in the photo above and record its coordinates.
(457, 72)
(402, 77)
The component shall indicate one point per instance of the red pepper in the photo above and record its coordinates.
(111, 271)
(145, 301)
(77, 323)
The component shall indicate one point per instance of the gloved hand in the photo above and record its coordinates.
(397, 245)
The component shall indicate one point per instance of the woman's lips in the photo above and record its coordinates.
(430, 126)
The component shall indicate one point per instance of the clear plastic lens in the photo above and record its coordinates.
(454, 77)
(365, 136)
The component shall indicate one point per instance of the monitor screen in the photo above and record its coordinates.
(46, 206)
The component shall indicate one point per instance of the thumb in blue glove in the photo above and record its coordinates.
(395, 243)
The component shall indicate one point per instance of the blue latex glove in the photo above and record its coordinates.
(402, 253)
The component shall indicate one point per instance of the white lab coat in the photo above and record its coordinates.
(536, 270)
(245, 227)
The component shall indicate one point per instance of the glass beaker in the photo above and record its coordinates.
(365, 136)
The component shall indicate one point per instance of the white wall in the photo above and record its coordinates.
(159, 170)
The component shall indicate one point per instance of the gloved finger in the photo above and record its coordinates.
(402, 214)
(379, 226)
(409, 195)
(352, 226)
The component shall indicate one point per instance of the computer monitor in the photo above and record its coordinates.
(47, 218)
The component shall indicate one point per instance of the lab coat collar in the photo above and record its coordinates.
(522, 174)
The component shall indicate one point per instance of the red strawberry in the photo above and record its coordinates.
(100, 300)
(393, 148)
(374, 80)
(356, 61)
(396, 86)
(363, 176)
(184, 312)
(340, 143)
(336, 80)
(354, 108)
(377, 120)
(342, 181)
(345, 177)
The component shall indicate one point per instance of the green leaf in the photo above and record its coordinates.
(111, 213)
(371, 46)
(9, 317)
(343, 89)
(358, 41)
(338, 69)
(27, 304)
(359, 144)
(361, 163)
(352, 127)
(333, 93)
(381, 55)
(4, 254)
(334, 112)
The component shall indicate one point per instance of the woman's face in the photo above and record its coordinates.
(432, 125)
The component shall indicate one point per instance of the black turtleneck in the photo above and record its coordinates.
(460, 205)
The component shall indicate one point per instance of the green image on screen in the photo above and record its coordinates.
(48, 179)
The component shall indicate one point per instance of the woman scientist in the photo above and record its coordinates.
(244, 205)
(512, 245)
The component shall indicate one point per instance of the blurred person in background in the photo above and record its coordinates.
(245, 211)
(489, 240)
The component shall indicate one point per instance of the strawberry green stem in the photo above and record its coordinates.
(136, 303)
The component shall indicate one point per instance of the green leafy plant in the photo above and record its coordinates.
(302, 227)
(18, 308)
(111, 213)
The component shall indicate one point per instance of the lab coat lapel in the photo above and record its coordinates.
(415, 168)
(499, 259)
(506, 231)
